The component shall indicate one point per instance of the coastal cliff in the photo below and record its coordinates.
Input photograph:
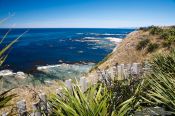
(138, 46)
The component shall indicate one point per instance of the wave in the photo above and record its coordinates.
(40, 68)
(63, 65)
(88, 39)
(19, 74)
(102, 34)
(105, 34)
(79, 33)
(115, 40)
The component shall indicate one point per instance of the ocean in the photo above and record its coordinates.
(40, 47)
(58, 53)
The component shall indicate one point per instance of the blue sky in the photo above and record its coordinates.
(87, 13)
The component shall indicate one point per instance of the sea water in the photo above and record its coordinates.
(80, 48)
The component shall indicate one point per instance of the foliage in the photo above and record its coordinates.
(155, 30)
(94, 102)
(161, 82)
(143, 28)
(123, 93)
(156, 89)
(165, 33)
(152, 47)
(165, 63)
(132, 104)
(5, 98)
(3, 56)
(142, 44)
(169, 36)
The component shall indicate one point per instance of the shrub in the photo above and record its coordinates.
(155, 30)
(143, 28)
(142, 44)
(152, 47)
(169, 36)
(166, 44)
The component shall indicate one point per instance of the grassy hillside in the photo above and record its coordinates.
(141, 45)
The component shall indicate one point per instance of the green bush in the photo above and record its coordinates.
(168, 35)
(144, 28)
(152, 47)
(142, 44)
(166, 44)
(155, 30)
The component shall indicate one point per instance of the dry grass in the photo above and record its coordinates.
(126, 51)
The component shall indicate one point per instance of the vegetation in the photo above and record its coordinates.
(152, 47)
(158, 87)
(101, 62)
(161, 82)
(123, 97)
(165, 33)
(155, 30)
(5, 97)
(142, 44)
(94, 102)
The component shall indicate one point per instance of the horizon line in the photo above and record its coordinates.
(69, 27)
(131, 27)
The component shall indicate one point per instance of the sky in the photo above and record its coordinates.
(86, 13)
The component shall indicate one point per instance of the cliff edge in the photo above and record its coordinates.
(138, 46)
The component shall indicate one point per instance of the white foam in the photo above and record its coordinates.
(6, 73)
(89, 38)
(79, 33)
(47, 67)
(98, 34)
(112, 34)
(21, 75)
(115, 40)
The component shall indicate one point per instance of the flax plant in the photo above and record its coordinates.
(5, 97)
(93, 102)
